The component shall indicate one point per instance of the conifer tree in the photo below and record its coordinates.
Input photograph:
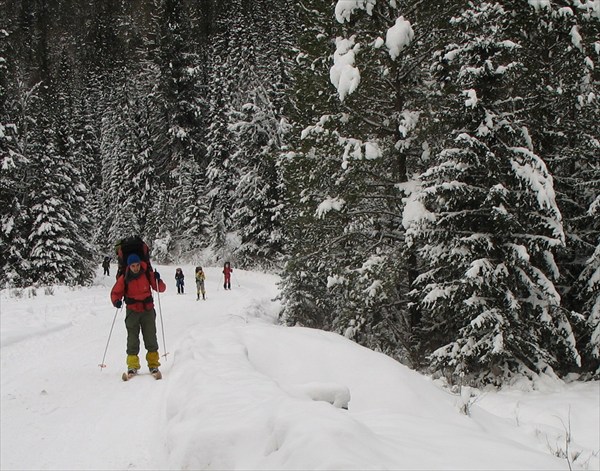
(87, 116)
(17, 100)
(488, 224)
(257, 202)
(304, 277)
(361, 122)
(222, 172)
(587, 288)
(192, 208)
(567, 53)
(258, 129)
(60, 248)
(180, 97)
(15, 105)
(563, 54)
(131, 187)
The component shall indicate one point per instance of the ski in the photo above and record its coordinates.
(127, 376)
(157, 375)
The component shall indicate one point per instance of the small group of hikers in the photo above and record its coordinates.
(200, 278)
(135, 281)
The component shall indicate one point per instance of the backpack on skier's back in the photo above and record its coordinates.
(127, 246)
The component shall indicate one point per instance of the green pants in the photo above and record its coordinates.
(146, 322)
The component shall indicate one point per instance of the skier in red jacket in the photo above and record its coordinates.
(227, 270)
(135, 287)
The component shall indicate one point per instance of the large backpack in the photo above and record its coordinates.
(125, 247)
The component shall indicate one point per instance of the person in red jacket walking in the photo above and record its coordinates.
(135, 287)
(227, 270)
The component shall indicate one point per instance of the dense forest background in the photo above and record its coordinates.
(434, 197)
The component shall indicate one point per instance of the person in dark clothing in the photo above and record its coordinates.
(179, 280)
(106, 265)
(135, 287)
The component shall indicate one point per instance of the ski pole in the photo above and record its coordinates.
(102, 365)
(162, 326)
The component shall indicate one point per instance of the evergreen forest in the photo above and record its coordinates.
(424, 176)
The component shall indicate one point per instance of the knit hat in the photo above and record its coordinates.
(133, 258)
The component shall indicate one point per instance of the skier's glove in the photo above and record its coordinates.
(118, 304)
(156, 275)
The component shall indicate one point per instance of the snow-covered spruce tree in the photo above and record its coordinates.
(86, 146)
(310, 243)
(130, 186)
(307, 170)
(118, 221)
(103, 53)
(366, 135)
(562, 89)
(180, 88)
(16, 104)
(486, 220)
(111, 179)
(257, 127)
(122, 47)
(90, 105)
(70, 132)
(52, 193)
(256, 206)
(161, 219)
(244, 132)
(563, 83)
(59, 239)
(221, 176)
(20, 104)
(587, 287)
(193, 209)
(226, 57)
(574, 160)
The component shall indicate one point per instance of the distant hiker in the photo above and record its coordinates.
(106, 265)
(200, 277)
(135, 287)
(179, 280)
(227, 270)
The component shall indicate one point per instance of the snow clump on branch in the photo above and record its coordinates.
(399, 36)
(343, 75)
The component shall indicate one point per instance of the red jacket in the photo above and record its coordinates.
(136, 291)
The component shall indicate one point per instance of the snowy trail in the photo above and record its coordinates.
(70, 404)
(242, 393)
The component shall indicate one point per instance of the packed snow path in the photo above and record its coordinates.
(242, 393)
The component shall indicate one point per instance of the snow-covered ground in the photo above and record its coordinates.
(240, 392)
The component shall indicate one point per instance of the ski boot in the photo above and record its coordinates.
(156, 373)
